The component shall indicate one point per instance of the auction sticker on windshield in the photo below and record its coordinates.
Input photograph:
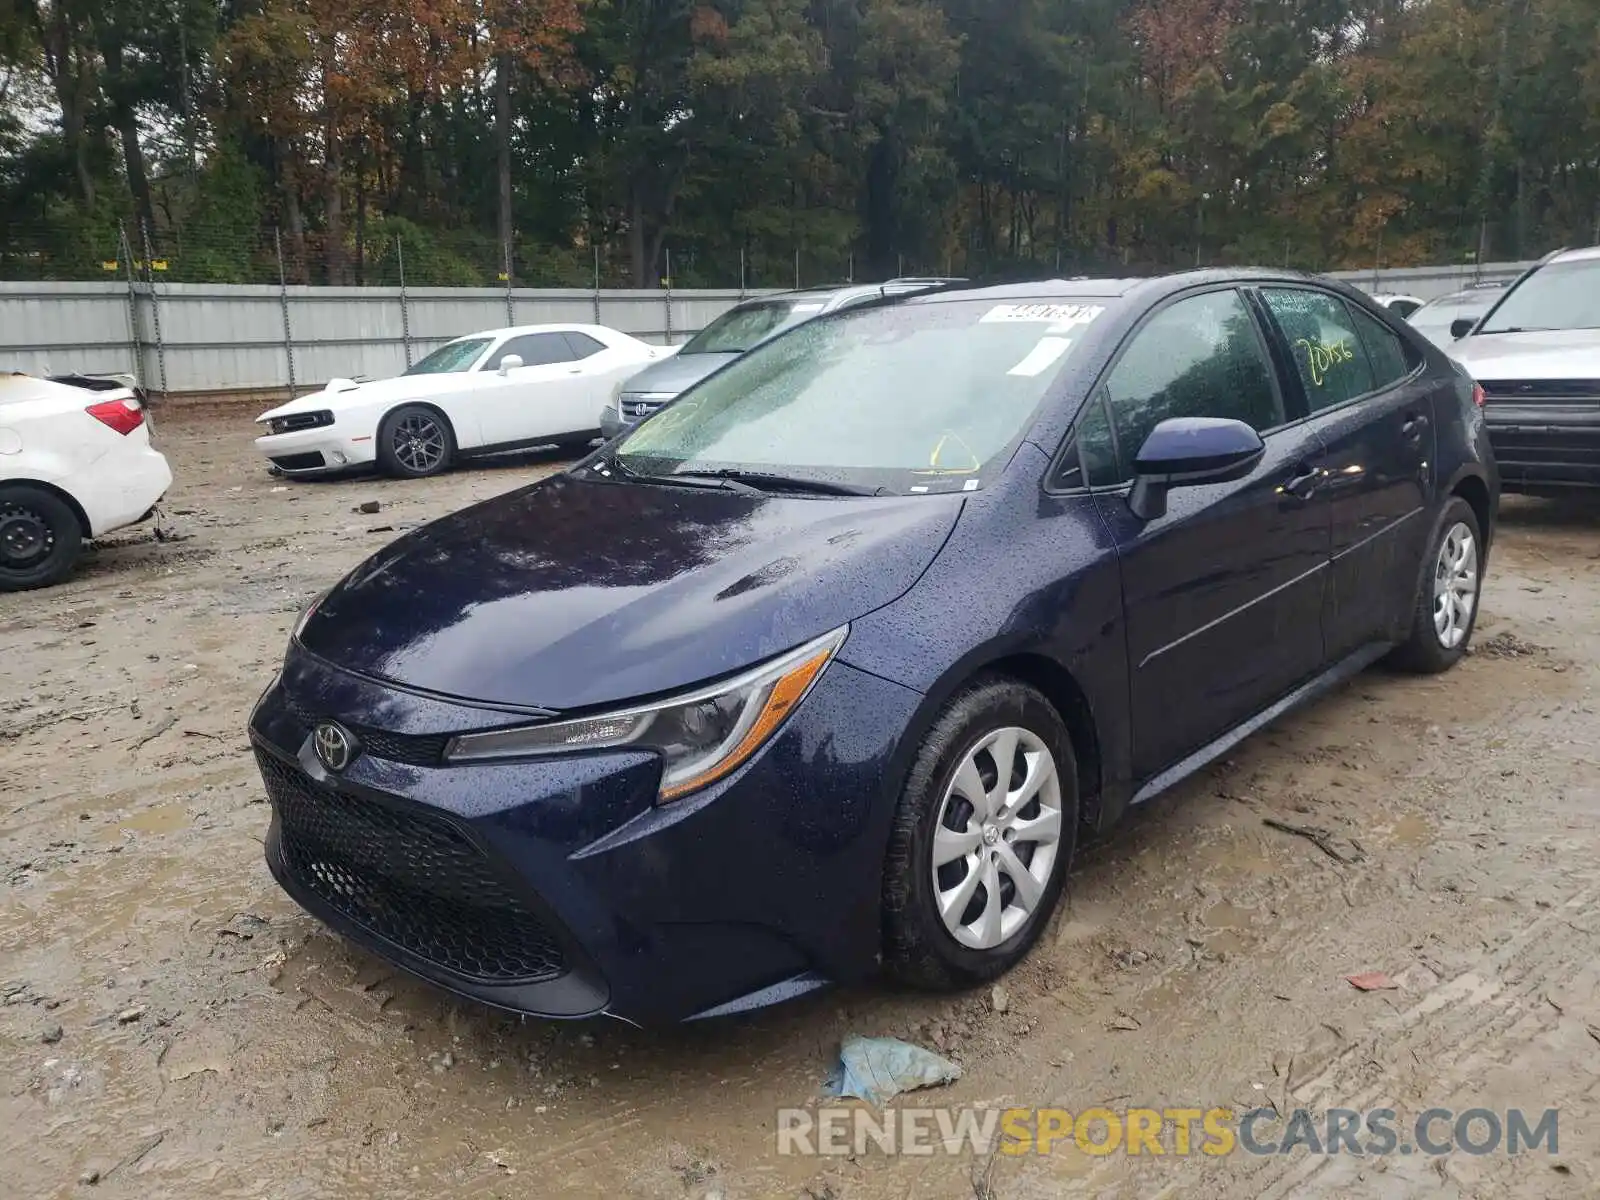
(1060, 317)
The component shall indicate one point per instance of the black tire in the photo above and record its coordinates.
(415, 441)
(40, 537)
(919, 950)
(1424, 651)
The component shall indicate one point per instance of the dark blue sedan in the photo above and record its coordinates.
(824, 670)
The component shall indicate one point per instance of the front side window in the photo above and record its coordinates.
(1560, 295)
(447, 360)
(1200, 357)
(1323, 342)
(535, 350)
(910, 398)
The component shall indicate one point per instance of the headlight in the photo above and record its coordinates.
(702, 735)
(307, 613)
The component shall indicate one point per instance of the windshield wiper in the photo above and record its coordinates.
(770, 481)
(1522, 329)
(686, 479)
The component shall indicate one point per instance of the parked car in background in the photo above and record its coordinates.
(75, 463)
(826, 666)
(1536, 353)
(1400, 305)
(739, 329)
(1434, 319)
(491, 391)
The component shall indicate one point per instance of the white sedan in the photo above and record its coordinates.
(498, 390)
(75, 462)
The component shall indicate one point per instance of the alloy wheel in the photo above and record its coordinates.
(995, 838)
(419, 442)
(25, 537)
(1455, 585)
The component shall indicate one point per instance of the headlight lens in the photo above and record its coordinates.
(702, 736)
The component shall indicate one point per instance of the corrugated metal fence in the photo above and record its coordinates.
(200, 338)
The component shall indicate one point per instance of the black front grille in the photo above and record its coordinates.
(299, 462)
(416, 750)
(297, 421)
(1543, 391)
(410, 878)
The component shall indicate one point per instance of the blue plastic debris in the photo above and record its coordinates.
(878, 1069)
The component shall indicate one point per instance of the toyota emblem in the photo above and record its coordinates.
(334, 745)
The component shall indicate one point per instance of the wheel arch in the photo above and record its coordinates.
(431, 406)
(1051, 679)
(1475, 491)
(61, 494)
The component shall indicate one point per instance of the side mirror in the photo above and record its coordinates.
(509, 363)
(1187, 451)
(1461, 326)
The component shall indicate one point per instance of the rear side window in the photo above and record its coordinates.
(1390, 357)
(1323, 341)
(583, 346)
(1200, 357)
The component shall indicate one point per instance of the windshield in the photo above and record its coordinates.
(738, 329)
(1562, 295)
(908, 398)
(457, 356)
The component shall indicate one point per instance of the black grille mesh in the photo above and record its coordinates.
(410, 878)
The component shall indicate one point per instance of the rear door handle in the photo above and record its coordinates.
(1416, 424)
(1304, 482)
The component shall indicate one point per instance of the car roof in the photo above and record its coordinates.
(1581, 254)
(1150, 289)
(1466, 296)
(520, 330)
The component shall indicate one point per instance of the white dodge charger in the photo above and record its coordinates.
(75, 463)
(529, 386)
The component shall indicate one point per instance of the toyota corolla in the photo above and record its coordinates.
(823, 671)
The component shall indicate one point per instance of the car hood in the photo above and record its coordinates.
(1545, 354)
(676, 374)
(574, 593)
(341, 392)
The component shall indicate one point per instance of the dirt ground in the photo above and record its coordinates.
(172, 1025)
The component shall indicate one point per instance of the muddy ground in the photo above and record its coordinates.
(171, 1025)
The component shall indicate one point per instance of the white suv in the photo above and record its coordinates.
(75, 463)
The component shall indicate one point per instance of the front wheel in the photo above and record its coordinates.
(40, 538)
(982, 838)
(414, 442)
(1447, 604)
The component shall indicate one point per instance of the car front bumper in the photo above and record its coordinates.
(558, 887)
(319, 451)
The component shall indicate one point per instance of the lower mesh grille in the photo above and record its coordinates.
(411, 879)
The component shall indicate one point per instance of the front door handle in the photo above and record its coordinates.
(1304, 482)
(1416, 425)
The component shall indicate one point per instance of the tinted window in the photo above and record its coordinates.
(1389, 356)
(1200, 357)
(1323, 342)
(582, 345)
(535, 350)
(446, 360)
